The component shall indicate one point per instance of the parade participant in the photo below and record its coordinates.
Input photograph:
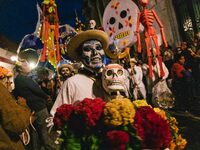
(156, 77)
(88, 47)
(36, 99)
(65, 71)
(181, 83)
(14, 118)
(136, 76)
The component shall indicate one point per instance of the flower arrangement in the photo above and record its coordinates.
(4, 72)
(177, 141)
(116, 125)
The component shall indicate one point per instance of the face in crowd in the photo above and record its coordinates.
(65, 72)
(181, 60)
(24, 66)
(93, 54)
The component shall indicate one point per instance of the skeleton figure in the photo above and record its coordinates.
(93, 54)
(147, 17)
(114, 79)
(92, 24)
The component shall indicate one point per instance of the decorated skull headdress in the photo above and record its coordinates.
(114, 79)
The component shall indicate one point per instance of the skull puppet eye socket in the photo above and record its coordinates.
(120, 72)
(109, 72)
(123, 14)
(112, 20)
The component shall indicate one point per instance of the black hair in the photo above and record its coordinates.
(178, 56)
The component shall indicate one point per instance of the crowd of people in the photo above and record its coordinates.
(177, 89)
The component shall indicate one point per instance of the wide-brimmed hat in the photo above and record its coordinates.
(80, 38)
(70, 67)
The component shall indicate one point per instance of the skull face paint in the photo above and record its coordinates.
(119, 21)
(114, 78)
(93, 54)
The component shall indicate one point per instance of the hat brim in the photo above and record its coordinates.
(80, 38)
(65, 66)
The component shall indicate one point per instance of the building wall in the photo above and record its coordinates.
(5, 59)
(166, 13)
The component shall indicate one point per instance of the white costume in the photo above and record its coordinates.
(156, 75)
(136, 79)
(75, 88)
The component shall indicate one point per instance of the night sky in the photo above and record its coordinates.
(19, 17)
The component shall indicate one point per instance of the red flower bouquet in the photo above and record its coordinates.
(83, 126)
(154, 130)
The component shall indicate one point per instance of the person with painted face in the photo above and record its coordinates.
(87, 47)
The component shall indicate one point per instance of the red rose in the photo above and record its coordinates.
(154, 130)
(64, 112)
(90, 110)
(117, 140)
(57, 122)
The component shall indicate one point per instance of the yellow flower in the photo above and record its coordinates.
(161, 113)
(119, 112)
(140, 103)
(172, 145)
(181, 143)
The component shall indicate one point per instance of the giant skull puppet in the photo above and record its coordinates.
(114, 80)
(119, 21)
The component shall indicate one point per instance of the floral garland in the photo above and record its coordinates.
(4, 72)
(116, 125)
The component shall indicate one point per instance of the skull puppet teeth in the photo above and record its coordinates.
(122, 35)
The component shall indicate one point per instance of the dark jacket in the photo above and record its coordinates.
(30, 90)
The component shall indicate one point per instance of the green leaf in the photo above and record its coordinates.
(73, 144)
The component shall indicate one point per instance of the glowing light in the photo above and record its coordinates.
(13, 58)
(32, 65)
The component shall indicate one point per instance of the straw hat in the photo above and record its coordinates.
(83, 36)
(70, 67)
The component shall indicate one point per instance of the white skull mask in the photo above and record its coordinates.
(114, 78)
(93, 54)
(92, 24)
(119, 21)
